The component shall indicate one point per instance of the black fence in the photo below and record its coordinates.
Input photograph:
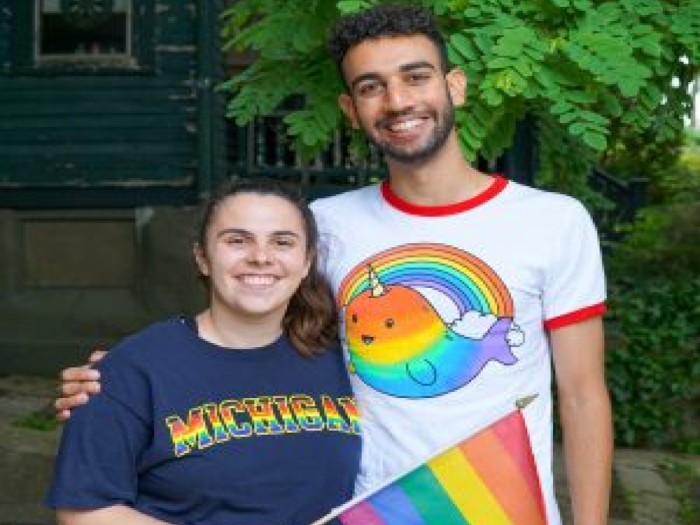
(263, 149)
(626, 197)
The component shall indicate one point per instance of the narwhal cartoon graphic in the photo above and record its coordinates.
(400, 345)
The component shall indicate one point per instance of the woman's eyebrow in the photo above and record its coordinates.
(242, 231)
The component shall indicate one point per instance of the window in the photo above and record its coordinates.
(93, 32)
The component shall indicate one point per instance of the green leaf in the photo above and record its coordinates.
(500, 63)
(463, 46)
(597, 141)
(351, 6)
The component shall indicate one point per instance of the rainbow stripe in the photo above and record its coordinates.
(469, 282)
(488, 479)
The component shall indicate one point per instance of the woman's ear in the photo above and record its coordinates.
(200, 259)
(457, 85)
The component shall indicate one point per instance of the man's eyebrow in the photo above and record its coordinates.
(403, 68)
(423, 64)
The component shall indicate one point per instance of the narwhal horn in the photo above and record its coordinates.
(376, 287)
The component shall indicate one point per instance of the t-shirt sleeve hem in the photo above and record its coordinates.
(81, 503)
(575, 317)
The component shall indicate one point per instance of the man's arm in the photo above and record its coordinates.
(115, 515)
(77, 385)
(584, 404)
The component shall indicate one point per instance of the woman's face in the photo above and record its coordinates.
(254, 256)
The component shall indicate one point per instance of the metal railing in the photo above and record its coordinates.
(262, 149)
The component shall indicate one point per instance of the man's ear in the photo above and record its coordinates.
(347, 106)
(457, 85)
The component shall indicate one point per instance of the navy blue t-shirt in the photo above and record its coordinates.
(192, 433)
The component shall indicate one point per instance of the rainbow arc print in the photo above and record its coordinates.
(469, 282)
(489, 478)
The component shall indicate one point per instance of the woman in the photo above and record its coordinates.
(240, 416)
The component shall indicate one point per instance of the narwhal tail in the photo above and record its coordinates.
(496, 342)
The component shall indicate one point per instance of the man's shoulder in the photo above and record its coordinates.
(336, 202)
(547, 201)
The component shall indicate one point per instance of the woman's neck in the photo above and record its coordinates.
(222, 329)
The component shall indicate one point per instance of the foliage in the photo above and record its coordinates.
(683, 185)
(671, 165)
(654, 346)
(588, 71)
(644, 155)
(663, 242)
(38, 421)
(684, 483)
(654, 361)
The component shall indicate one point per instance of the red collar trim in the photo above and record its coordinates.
(497, 186)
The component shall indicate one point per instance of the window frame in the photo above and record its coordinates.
(27, 60)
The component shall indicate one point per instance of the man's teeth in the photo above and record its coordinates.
(403, 126)
(258, 280)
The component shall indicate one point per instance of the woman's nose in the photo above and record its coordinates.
(259, 254)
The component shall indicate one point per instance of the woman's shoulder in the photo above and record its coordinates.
(329, 362)
(148, 344)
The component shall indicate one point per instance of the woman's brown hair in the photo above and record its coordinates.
(311, 319)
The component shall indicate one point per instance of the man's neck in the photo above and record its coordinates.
(444, 179)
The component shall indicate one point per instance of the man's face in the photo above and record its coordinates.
(400, 97)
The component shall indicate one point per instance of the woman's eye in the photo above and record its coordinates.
(284, 243)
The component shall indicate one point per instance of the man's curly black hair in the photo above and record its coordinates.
(384, 20)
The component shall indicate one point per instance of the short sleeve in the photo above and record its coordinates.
(575, 283)
(97, 462)
(329, 246)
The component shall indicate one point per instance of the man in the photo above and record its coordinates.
(456, 288)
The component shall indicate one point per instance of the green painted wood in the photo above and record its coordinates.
(85, 151)
(77, 174)
(129, 81)
(159, 125)
(87, 136)
(153, 122)
(177, 61)
(83, 91)
(48, 109)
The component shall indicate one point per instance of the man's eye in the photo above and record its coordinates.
(418, 78)
(369, 89)
(234, 240)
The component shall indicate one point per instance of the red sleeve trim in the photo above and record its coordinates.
(575, 317)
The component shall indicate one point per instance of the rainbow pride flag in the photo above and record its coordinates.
(490, 478)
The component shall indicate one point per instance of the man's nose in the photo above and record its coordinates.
(398, 96)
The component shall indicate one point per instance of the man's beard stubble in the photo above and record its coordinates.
(437, 138)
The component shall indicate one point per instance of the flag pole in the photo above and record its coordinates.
(520, 404)
(523, 402)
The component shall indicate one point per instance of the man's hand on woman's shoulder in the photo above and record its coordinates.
(78, 383)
